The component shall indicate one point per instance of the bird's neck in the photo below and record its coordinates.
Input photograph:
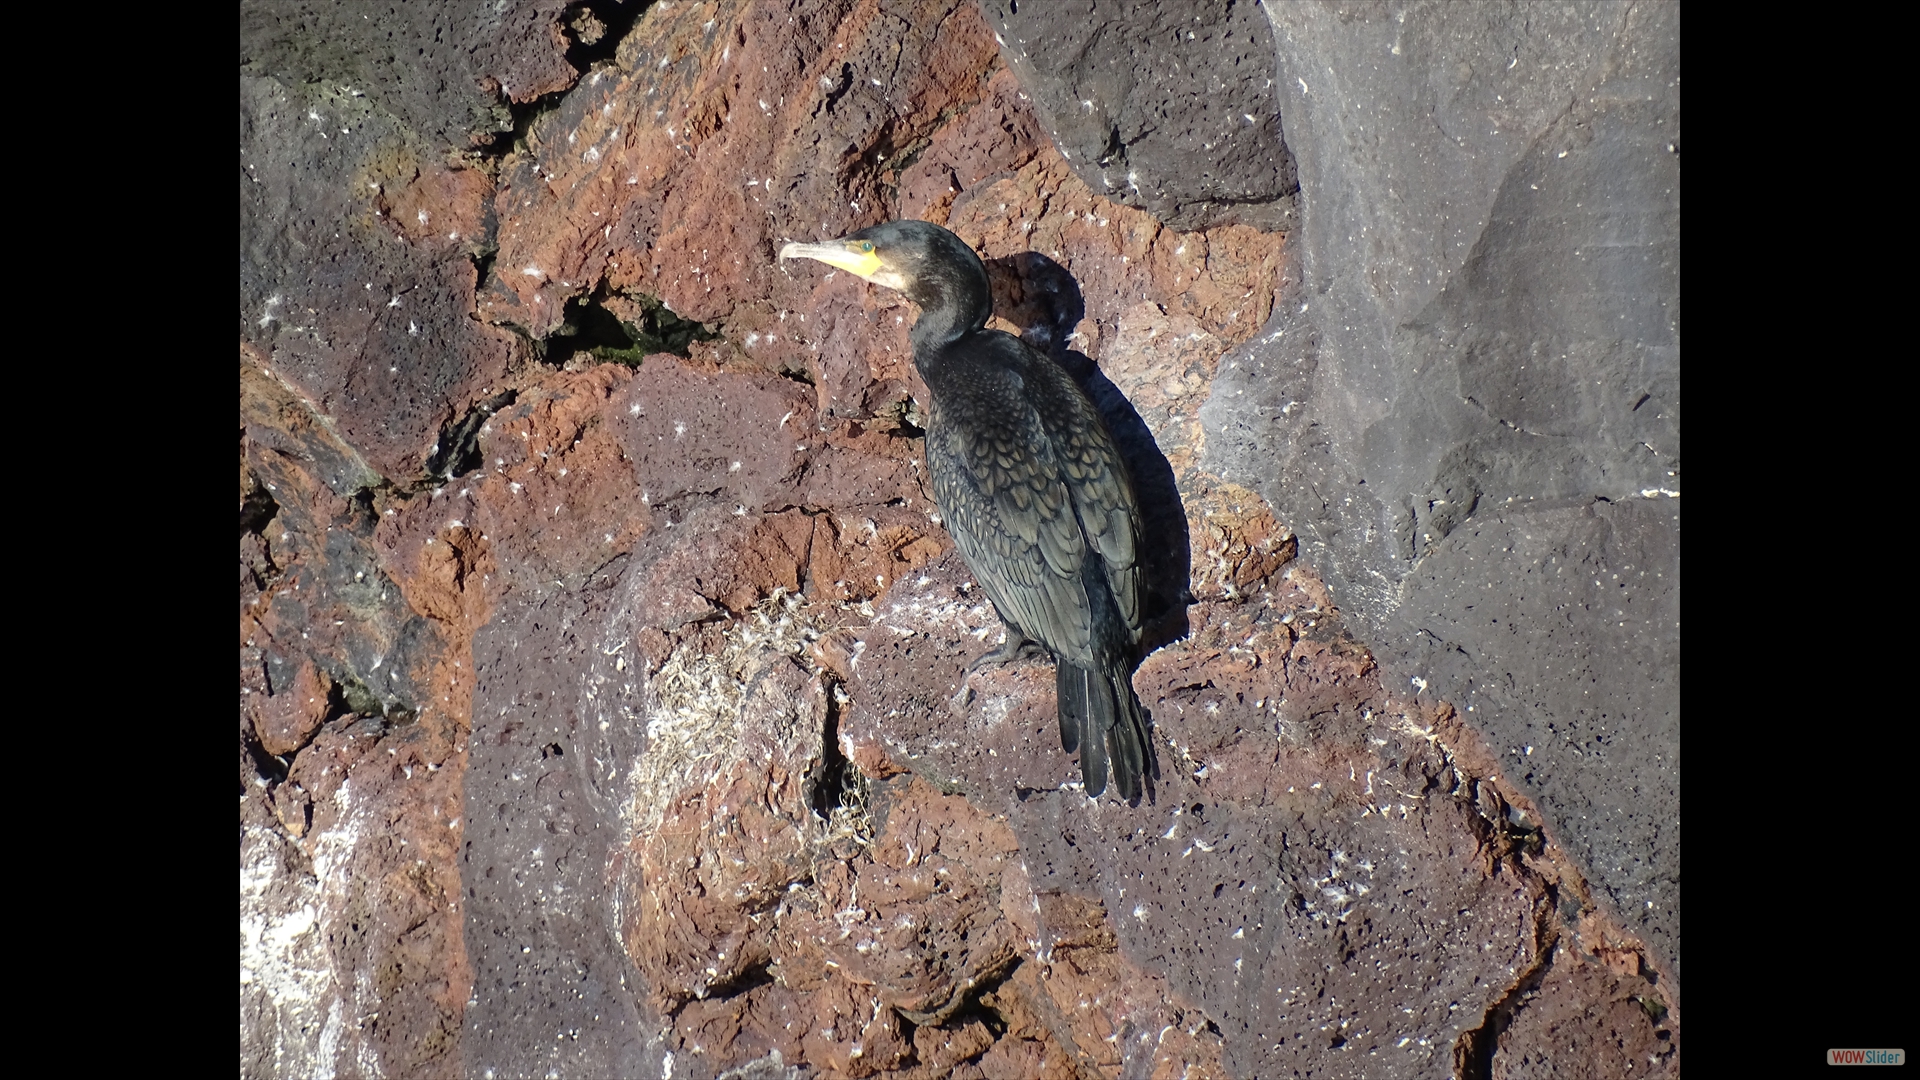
(949, 310)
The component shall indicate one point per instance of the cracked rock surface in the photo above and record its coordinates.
(1468, 400)
(603, 707)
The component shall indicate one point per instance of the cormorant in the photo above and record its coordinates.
(1030, 485)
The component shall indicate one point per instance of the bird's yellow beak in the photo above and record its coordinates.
(857, 257)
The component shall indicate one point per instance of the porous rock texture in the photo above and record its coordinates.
(1469, 400)
(602, 709)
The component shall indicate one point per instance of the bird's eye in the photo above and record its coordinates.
(866, 247)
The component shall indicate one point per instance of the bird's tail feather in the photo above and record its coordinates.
(1087, 707)
(1127, 739)
(1101, 716)
(1070, 684)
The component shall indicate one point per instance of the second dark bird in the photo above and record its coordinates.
(1032, 488)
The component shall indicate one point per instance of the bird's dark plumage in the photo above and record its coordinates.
(1032, 488)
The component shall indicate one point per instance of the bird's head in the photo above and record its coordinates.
(933, 267)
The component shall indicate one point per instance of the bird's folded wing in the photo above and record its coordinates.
(1096, 479)
(1002, 487)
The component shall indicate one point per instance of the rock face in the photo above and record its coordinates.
(602, 698)
(1164, 107)
(1468, 404)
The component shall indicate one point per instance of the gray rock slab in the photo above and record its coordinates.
(337, 102)
(1468, 403)
(552, 987)
(1164, 107)
(1560, 629)
(441, 69)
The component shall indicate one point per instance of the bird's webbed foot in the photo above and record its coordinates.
(1017, 647)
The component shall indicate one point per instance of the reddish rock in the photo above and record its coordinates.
(352, 950)
(662, 162)
(290, 715)
(1583, 1020)
(435, 207)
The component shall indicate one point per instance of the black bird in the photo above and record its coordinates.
(1031, 487)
